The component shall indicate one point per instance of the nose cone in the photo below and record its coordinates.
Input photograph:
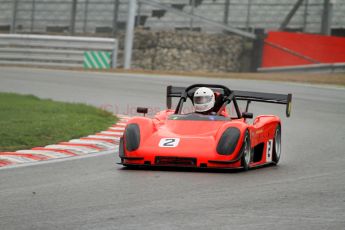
(180, 146)
(183, 138)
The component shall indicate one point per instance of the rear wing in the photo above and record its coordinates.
(275, 98)
(248, 96)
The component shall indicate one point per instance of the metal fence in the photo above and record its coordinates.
(58, 51)
(107, 17)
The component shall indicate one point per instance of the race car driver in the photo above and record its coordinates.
(204, 102)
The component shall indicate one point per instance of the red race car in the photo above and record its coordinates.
(211, 139)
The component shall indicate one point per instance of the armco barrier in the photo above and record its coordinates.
(56, 51)
(314, 68)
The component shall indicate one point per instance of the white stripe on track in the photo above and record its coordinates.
(102, 144)
(50, 154)
(77, 149)
(111, 132)
(17, 159)
(104, 137)
(28, 164)
(117, 128)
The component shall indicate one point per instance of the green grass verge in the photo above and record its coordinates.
(27, 121)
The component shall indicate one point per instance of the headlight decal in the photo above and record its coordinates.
(228, 141)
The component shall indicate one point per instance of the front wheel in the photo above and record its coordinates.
(277, 145)
(246, 152)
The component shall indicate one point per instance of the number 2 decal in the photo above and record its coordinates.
(269, 150)
(169, 142)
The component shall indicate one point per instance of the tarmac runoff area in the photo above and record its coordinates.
(305, 191)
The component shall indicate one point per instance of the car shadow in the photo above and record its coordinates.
(189, 169)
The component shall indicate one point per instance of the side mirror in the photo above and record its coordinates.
(247, 115)
(142, 110)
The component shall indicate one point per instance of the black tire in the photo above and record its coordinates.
(246, 152)
(277, 145)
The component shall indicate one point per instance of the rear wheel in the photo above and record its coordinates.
(246, 152)
(277, 145)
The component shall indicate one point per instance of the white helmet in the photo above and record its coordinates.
(203, 99)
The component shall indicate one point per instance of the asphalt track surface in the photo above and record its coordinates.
(305, 191)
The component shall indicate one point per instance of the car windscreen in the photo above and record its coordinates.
(197, 117)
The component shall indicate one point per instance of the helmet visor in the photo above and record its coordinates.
(202, 99)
